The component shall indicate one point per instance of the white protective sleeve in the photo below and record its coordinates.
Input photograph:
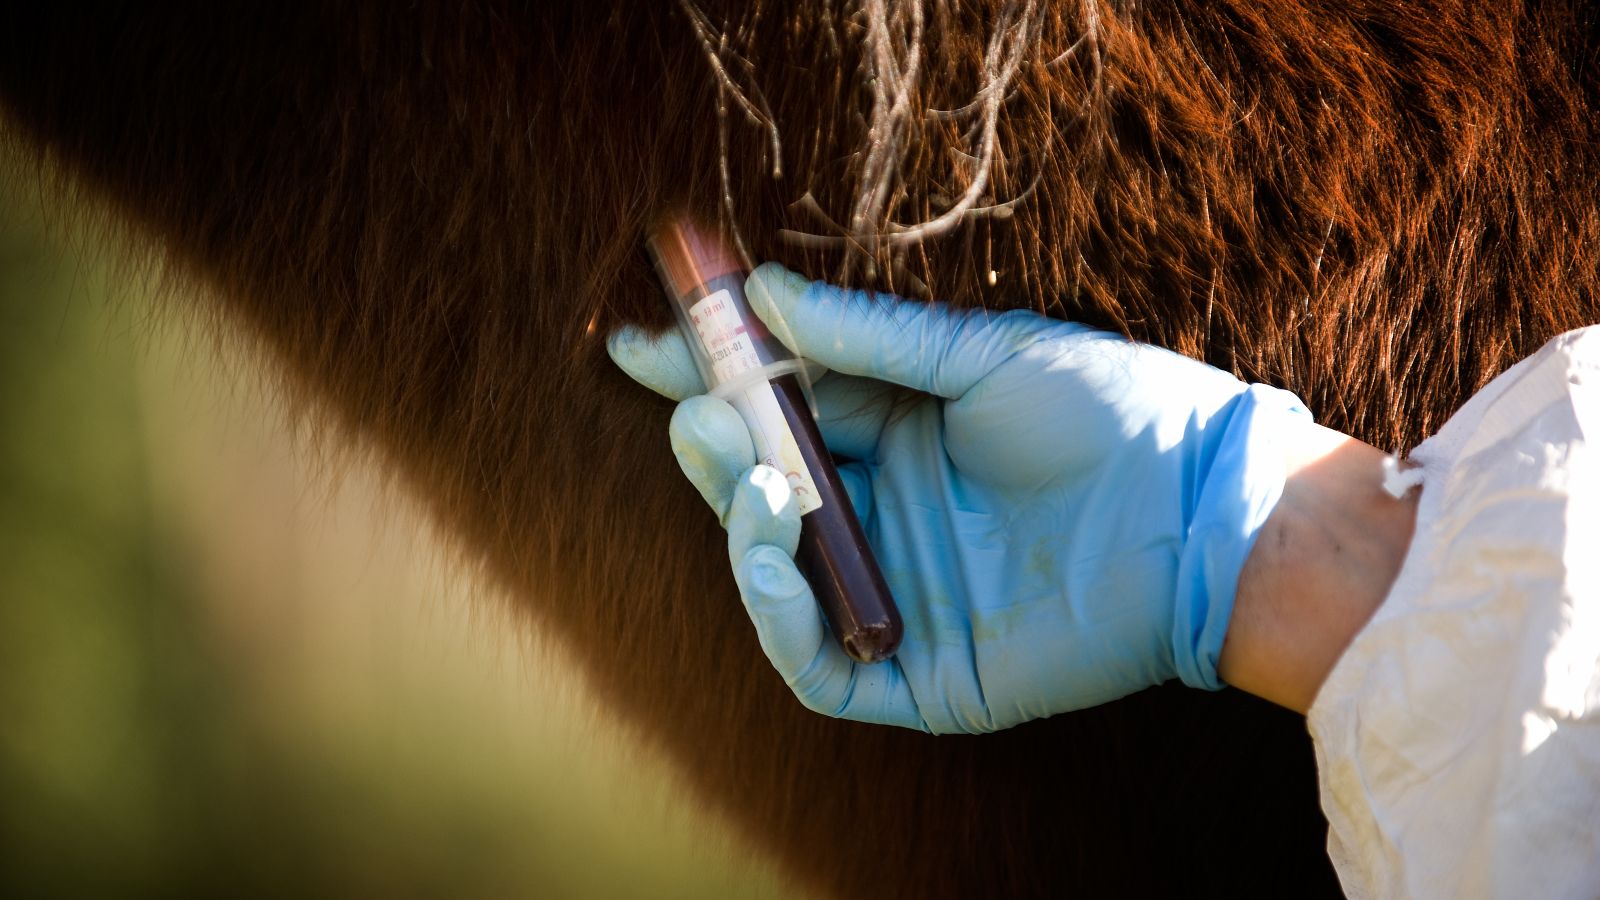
(1458, 738)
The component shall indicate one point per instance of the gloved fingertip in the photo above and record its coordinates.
(789, 626)
(769, 577)
(764, 511)
(709, 421)
(661, 362)
(713, 448)
(622, 343)
(772, 289)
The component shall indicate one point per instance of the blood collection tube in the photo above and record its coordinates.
(745, 365)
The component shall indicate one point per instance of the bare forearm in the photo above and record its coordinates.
(1324, 561)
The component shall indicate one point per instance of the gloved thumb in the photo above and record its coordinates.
(925, 346)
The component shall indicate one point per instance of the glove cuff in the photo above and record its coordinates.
(1239, 490)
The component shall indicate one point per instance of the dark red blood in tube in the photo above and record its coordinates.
(833, 550)
(833, 553)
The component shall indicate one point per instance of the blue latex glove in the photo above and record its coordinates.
(1062, 521)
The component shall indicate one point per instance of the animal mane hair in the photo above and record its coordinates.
(430, 215)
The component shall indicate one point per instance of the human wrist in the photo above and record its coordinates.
(1320, 567)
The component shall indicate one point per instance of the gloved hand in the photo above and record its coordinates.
(1062, 522)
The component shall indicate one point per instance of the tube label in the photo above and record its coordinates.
(775, 445)
(716, 320)
(722, 331)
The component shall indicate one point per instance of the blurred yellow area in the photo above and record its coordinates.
(226, 671)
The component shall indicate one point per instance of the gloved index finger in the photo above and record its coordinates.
(925, 346)
(660, 362)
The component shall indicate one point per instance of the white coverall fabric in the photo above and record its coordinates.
(1458, 738)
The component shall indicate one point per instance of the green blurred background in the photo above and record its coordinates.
(226, 670)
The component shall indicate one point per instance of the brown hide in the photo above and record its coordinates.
(420, 210)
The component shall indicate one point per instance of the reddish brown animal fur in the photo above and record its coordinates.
(421, 211)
